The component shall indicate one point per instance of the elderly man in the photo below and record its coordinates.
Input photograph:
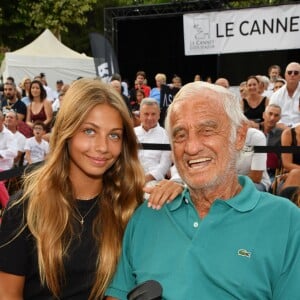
(288, 97)
(156, 163)
(221, 238)
(8, 146)
(11, 123)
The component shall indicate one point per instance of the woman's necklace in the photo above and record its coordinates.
(82, 217)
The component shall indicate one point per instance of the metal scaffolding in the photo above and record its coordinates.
(113, 14)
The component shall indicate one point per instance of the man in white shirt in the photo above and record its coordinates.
(254, 165)
(156, 163)
(8, 146)
(288, 97)
(11, 123)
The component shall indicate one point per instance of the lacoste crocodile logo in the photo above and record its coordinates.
(244, 252)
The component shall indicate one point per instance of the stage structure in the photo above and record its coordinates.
(114, 14)
(151, 38)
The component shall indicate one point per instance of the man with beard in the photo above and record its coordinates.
(11, 102)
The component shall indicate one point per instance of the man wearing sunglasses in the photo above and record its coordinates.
(288, 97)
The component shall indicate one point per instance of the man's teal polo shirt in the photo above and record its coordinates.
(247, 247)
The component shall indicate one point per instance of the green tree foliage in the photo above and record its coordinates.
(54, 14)
(22, 20)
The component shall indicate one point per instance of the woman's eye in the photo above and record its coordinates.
(89, 131)
(115, 136)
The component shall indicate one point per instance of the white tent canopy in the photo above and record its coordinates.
(48, 55)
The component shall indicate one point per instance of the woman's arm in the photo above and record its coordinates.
(28, 117)
(48, 111)
(255, 175)
(287, 158)
(27, 158)
(11, 286)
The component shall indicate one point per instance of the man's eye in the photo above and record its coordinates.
(207, 131)
(179, 137)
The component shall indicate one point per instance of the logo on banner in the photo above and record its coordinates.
(103, 71)
(201, 37)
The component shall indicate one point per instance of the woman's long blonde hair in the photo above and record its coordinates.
(50, 195)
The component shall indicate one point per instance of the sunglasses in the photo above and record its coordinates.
(291, 72)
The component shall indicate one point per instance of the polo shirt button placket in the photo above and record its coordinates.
(196, 224)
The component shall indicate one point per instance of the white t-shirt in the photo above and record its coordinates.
(248, 160)
(38, 151)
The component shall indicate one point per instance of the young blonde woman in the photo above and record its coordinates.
(61, 238)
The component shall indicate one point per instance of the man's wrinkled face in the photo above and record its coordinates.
(203, 149)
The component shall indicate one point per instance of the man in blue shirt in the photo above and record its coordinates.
(221, 238)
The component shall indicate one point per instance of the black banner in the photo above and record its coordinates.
(105, 59)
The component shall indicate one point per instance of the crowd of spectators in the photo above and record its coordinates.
(270, 102)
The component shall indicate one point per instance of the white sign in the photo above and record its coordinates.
(244, 30)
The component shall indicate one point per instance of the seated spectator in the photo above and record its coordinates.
(56, 93)
(279, 83)
(12, 102)
(222, 82)
(176, 82)
(11, 123)
(135, 107)
(36, 148)
(39, 109)
(274, 74)
(156, 163)
(8, 146)
(140, 83)
(243, 90)
(116, 84)
(117, 76)
(254, 165)
(25, 86)
(271, 116)
(290, 161)
(56, 104)
(254, 104)
(197, 77)
(264, 82)
(288, 97)
(160, 80)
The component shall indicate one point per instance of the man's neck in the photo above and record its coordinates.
(267, 129)
(13, 100)
(291, 88)
(12, 129)
(204, 198)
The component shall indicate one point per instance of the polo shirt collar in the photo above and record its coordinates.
(245, 201)
(248, 197)
(180, 200)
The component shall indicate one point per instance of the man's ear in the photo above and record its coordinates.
(241, 136)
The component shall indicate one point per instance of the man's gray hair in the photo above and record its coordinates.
(230, 103)
(149, 101)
